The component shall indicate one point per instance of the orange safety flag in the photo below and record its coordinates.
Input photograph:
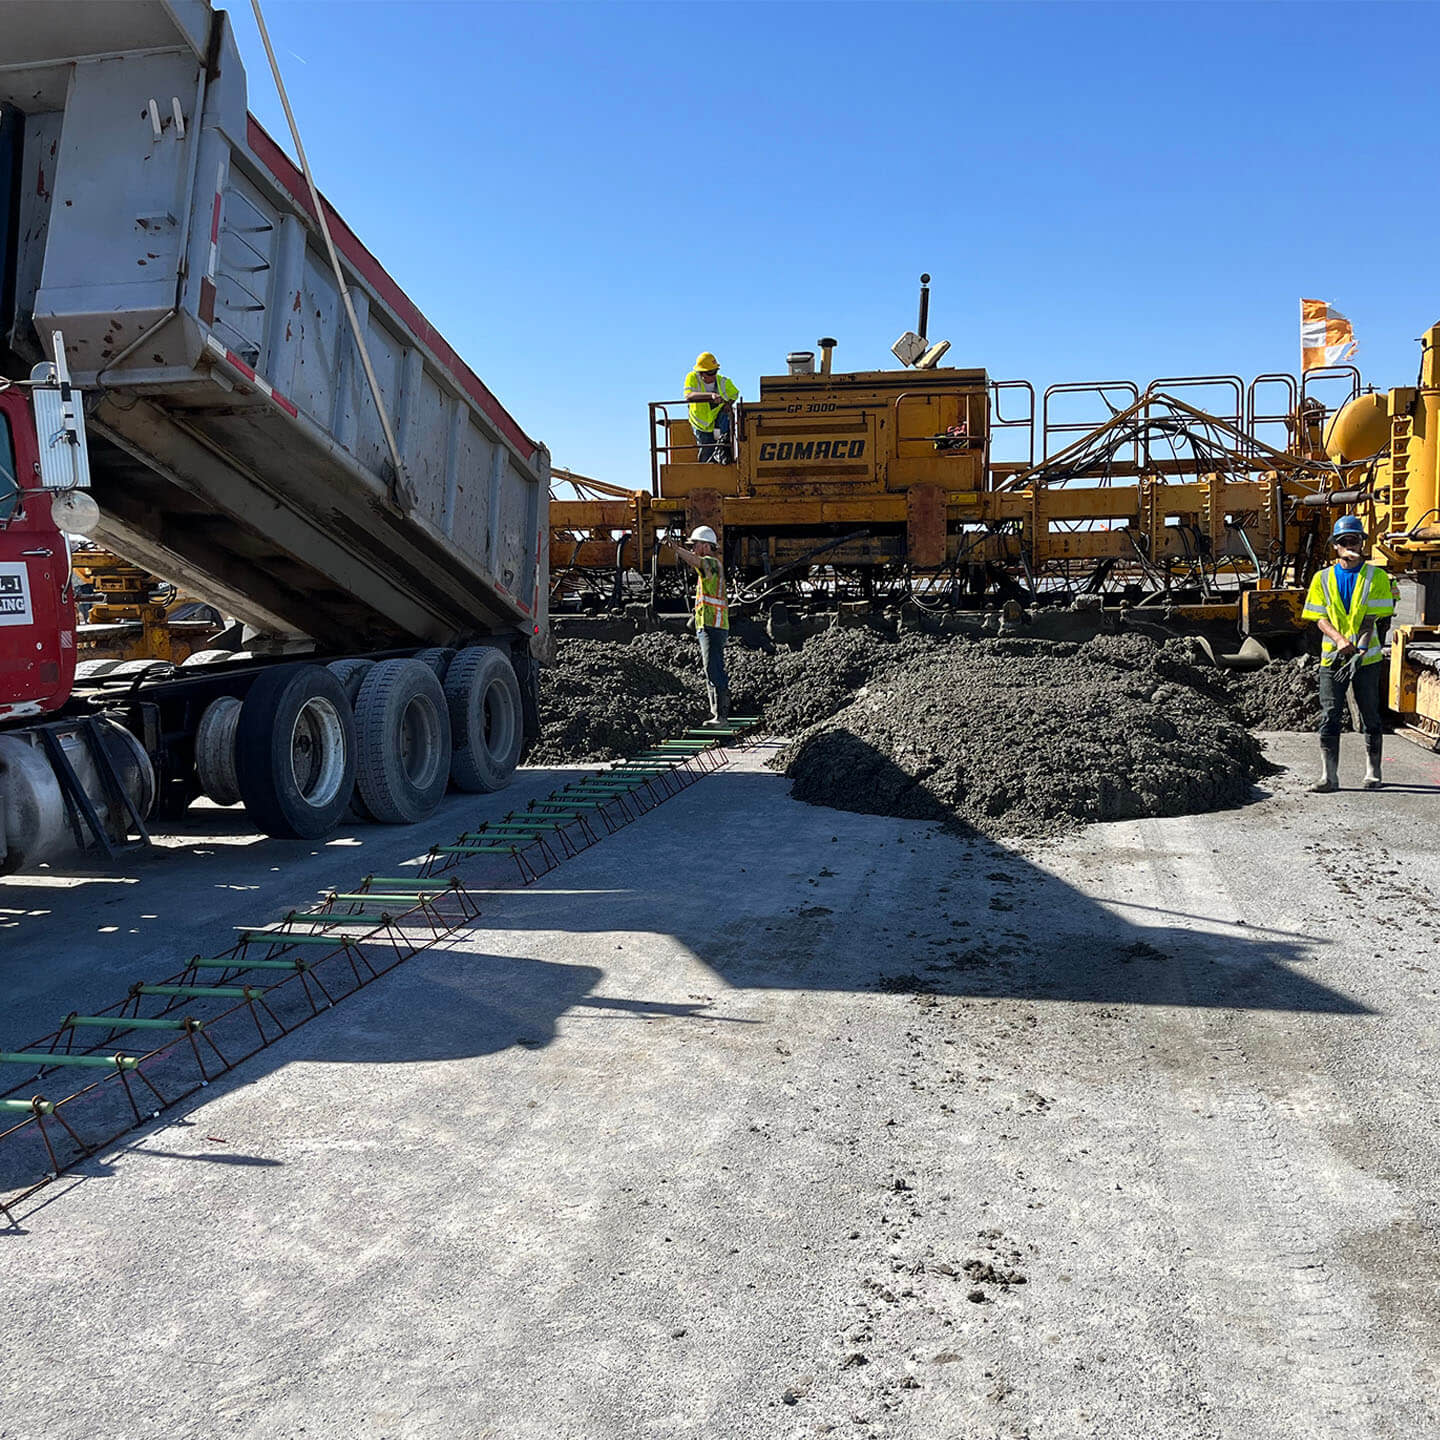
(1326, 336)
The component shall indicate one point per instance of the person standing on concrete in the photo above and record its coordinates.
(1348, 601)
(710, 395)
(712, 617)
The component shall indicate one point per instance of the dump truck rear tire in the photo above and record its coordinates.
(295, 752)
(207, 657)
(351, 675)
(215, 750)
(402, 726)
(438, 659)
(486, 720)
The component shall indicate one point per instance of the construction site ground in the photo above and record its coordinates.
(760, 1119)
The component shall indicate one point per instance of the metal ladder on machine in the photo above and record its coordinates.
(79, 807)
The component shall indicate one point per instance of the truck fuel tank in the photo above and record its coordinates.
(35, 819)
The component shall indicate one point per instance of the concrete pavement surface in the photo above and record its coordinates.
(762, 1120)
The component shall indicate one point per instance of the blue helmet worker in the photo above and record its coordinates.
(1350, 601)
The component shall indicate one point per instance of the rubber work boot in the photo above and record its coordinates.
(1330, 773)
(719, 705)
(1374, 749)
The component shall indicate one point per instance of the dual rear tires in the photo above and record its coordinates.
(402, 730)
(486, 720)
(294, 751)
(380, 740)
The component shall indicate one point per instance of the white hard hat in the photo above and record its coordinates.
(703, 532)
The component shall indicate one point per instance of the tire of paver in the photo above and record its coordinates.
(207, 657)
(402, 728)
(295, 751)
(351, 675)
(486, 721)
(438, 659)
(215, 750)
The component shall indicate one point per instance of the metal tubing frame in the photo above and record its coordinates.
(1080, 427)
(998, 420)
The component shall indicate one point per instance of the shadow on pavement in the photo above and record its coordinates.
(760, 888)
(804, 910)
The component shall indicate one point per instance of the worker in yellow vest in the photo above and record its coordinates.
(711, 396)
(712, 617)
(1349, 601)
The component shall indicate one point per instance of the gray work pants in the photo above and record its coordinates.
(1366, 684)
(712, 656)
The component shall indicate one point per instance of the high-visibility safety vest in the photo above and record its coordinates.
(703, 415)
(710, 606)
(1373, 599)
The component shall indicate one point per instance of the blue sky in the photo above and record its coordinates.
(582, 196)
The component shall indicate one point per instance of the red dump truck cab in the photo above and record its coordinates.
(37, 607)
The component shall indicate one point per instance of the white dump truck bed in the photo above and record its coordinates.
(235, 445)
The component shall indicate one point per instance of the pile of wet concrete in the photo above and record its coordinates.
(600, 700)
(1284, 695)
(1009, 734)
(1016, 736)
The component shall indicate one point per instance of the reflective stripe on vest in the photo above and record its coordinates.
(1350, 622)
(703, 414)
(711, 608)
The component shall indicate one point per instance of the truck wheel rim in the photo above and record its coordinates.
(317, 752)
(420, 742)
(499, 721)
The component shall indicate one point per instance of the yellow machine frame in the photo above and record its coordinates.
(125, 620)
(894, 468)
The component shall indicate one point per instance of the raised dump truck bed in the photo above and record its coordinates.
(155, 240)
(235, 445)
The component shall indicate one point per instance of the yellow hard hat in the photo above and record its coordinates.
(706, 361)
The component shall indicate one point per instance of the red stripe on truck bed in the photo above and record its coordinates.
(347, 242)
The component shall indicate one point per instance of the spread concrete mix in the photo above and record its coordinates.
(763, 1119)
(1011, 735)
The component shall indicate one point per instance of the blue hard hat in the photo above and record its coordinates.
(1348, 526)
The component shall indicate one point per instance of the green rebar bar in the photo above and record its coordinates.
(33, 1107)
(317, 918)
(220, 963)
(222, 992)
(294, 937)
(131, 1022)
(412, 881)
(415, 897)
(528, 834)
(535, 822)
(476, 849)
(44, 1057)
